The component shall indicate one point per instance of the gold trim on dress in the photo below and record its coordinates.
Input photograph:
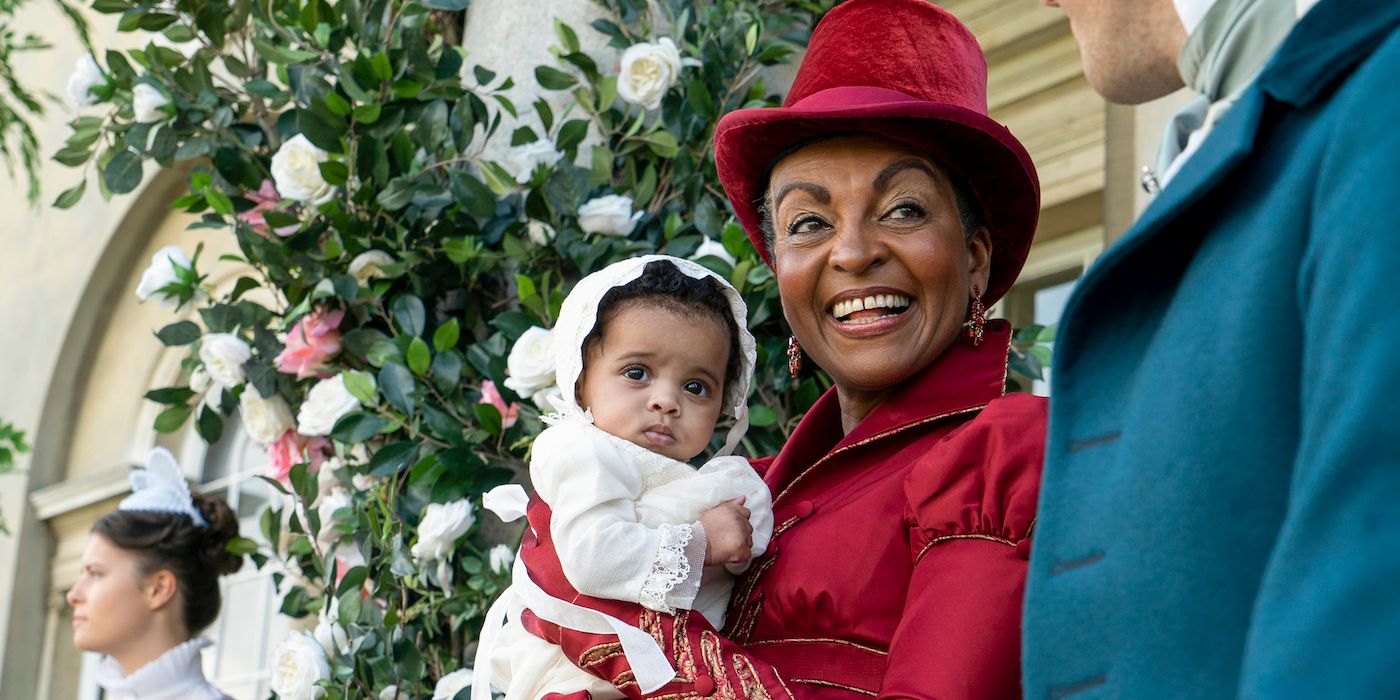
(748, 679)
(595, 655)
(829, 684)
(709, 648)
(973, 536)
(820, 640)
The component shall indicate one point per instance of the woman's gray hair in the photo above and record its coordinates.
(969, 212)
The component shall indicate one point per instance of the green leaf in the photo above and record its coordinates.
(391, 459)
(408, 313)
(366, 114)
(242, 546)
(123, 172)
(356, 428)
(70, 196)
(380, 66)
(762, 416)
(488, 418)
(525, 287)
(554, 79)
(209, 426)
(361, 386)
(179, 333)
(418, 356)
(662, 143)
(571, 134)
(281, 54)
(171, 395)
(397, 385)
(566, 35)
(449, 5)
(397, 194)
(172, 418)
(446, 336)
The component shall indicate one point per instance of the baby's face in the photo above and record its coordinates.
(657, 379)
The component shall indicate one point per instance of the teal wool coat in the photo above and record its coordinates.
(1220, 511)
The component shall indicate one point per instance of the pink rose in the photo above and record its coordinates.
(491, 395)
(313, 339)
(292, 449)
(264, 199)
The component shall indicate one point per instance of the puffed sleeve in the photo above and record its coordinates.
(592, 488)
(971, 507)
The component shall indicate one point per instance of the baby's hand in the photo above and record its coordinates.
(728, 534)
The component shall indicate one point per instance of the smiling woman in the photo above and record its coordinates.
(893, 211)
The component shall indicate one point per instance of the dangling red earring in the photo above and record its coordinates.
(794, 356)
(978, 320)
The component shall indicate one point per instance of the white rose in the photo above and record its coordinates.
(539, 232)
(265, 420)
(648, 71)
(199, 380)
(328, 479)
(501, 557)
(610, 215)
(223, 355)
(391, 693)
(368, 264)
(146, 102)
(521, 161)
(330, 503)
(160, 273)
(296, 171)
(330, 634)
(507, 501)
(440, 528)
(296, 666)
(326, 403)
(449, 685)
(714, 248)
(362, 482)
(86, 76)
(531, 362)
(545, 398)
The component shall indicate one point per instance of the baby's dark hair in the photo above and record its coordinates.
(664, 285)
(197, 556)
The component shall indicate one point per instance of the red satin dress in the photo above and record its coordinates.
(898, 559)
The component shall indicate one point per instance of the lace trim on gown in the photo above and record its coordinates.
(670, 568)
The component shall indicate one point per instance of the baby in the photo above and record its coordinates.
(649, 353)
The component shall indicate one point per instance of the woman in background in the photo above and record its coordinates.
(149, 583)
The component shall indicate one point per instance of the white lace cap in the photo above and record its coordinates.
(579, 315)
(161, 488)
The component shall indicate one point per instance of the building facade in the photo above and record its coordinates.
(79, 350)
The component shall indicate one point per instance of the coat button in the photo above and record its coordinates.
(704, 685)
(802, 509)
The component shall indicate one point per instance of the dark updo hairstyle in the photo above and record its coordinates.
(664, 285)
(197, 556)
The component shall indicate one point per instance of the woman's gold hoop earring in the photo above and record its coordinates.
(794, 356)
(978, 320)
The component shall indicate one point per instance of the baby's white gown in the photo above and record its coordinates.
(625, 524)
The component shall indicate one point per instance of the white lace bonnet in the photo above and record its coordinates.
(579, 315)
(161, 488)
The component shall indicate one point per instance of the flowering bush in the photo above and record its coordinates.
(388, 339)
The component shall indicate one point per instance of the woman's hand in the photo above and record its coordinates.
(728, 533)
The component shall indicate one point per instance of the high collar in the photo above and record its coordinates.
(963, 379)
(174, 674)
(1234, 39)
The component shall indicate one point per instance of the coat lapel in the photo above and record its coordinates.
(1228, 145)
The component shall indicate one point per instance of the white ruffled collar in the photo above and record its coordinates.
(174, 674)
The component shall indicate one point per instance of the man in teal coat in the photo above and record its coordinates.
(1220, 512)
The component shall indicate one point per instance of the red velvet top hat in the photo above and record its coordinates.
(909, 71)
